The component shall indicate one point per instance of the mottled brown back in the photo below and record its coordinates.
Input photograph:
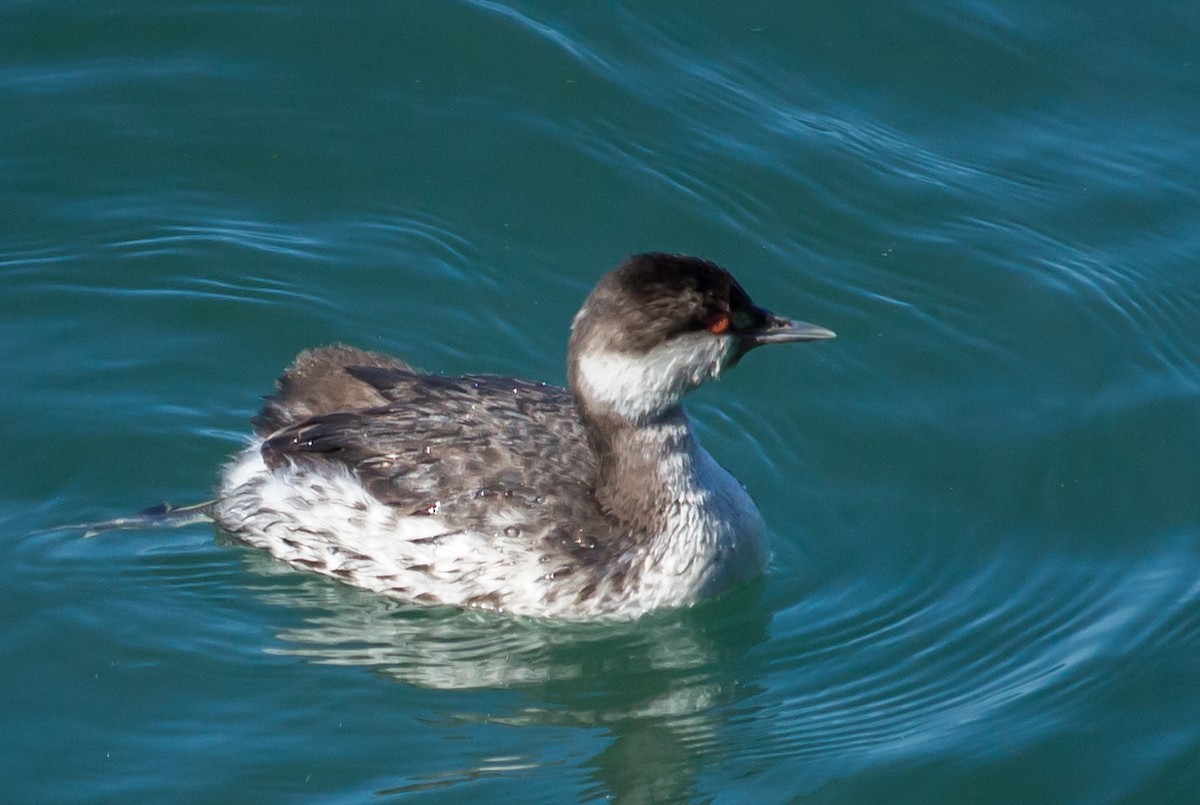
(318, 383)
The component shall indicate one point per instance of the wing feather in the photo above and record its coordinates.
(462, 446)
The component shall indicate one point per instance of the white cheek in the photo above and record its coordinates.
(635, 386)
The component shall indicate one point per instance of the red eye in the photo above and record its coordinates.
(718, 323)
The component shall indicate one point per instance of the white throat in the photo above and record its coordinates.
(636, 387)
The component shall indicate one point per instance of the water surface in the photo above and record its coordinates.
(983, 497)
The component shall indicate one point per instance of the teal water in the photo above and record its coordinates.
(983, 497)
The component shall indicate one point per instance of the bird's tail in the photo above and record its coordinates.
(164, 515)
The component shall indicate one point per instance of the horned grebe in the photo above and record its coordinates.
(503, 494)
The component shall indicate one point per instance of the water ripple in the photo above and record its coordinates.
(250, 235)
(943, 662)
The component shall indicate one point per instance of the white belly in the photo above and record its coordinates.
(320, 518)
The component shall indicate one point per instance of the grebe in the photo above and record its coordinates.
(491, 492)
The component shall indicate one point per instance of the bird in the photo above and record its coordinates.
(590, 502)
